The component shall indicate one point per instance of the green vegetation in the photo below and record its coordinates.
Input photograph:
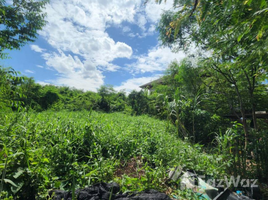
(63, 138)
(42, 151)
(190, 101)
(20, 23)
(234, 36)
(231, 37)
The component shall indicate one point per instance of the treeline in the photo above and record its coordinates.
(196, 100)
(24, 92)
(231, 38)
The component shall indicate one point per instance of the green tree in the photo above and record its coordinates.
(111, 101)
(184, 75)
(234, 32)
(31, 91)
(20, 23)
(10, 93)
(48, 96)
(185, 96)
(139, 102)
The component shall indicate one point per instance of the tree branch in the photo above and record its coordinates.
(195, 5)
(226, 76)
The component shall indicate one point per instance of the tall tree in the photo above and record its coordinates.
(10, 93)
(20, 23)
(235, 34)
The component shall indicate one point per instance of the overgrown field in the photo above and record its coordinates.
(69, 150)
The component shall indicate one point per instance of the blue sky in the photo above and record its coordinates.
(89, 43)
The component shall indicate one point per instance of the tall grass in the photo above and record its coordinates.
(70, 150)
(250, 162)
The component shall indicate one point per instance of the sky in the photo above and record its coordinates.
(89, 43)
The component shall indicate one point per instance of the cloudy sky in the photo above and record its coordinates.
(89, 43)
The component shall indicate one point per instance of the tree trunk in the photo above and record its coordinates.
(254, 119)
(242, 110)
(245, 128)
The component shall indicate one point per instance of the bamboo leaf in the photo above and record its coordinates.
(249, 2)
(240, 37)
(261, 11)
(10, 182)
(19, 186)
(18, 173)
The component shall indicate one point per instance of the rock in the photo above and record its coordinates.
(107, 191)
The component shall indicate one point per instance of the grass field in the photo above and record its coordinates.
(69, 150)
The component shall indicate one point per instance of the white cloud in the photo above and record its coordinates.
(110, 67)
(148, 15)
(9, 2)
(126, 29)
(142, 21)
(36, 48)
(73, 72)
(83, 49)
(153, 11)
(77, 22)
(132, 35)
(77, 30)
(135, 83)
(79, 81)
(43, 83)
(29, 71)
(64, 64)
(152, 29)
(156, 60)
(40, 66)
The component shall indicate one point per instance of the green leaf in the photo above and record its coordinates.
(45, 160)
(240, 37)
(90, 173)
(17, 154)
(15, 190)
(18, 173)
(261, 11)
(249, 2)
(10, 182)
(259, 35)
(263, 3)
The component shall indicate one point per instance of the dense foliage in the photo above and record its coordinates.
(233, 36)
(41, 151)
(51, 137)
(25, 92)
(20, 23)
